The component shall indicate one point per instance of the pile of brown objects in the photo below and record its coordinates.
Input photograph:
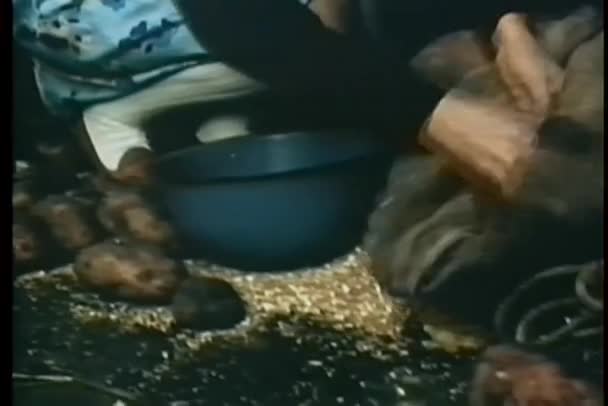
(509, 376)
(119, 243)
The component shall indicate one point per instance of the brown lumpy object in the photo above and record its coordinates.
(129, 270)
(207, 303)
(135, 168)
(70, 221)
(125, 213)
(509, 376)
(27, 247)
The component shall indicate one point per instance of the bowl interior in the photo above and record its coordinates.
(260, 156)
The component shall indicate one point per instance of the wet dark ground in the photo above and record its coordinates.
(322, 367)
(313, 365)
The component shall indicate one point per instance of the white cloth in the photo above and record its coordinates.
(116, 126)
(222, 127)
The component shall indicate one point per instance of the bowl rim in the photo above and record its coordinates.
(379, 148)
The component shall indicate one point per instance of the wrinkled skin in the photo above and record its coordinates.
(125, 213)
(436, 240)
(532, 76)
(129, 271)
(508, 376)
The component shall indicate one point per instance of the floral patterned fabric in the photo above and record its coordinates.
(88, 51)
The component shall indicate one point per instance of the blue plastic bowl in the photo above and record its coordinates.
(276, 202)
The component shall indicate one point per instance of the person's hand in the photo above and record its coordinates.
(334, 14)
(509, 376)
(134, 168)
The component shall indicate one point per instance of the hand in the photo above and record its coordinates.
(334, 14)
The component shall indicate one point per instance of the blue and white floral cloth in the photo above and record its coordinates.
(89, 51)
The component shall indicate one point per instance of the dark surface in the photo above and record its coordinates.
(363, 77)
(324, 369)
(296, 55)
(316, 367)
(207, 304)
(250, 158)
(284, 202)
(29, 394)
